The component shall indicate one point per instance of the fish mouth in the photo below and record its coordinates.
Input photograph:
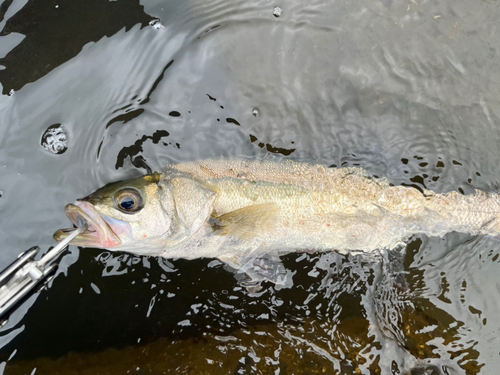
(98, 233)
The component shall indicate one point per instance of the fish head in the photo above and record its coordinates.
(143, 215)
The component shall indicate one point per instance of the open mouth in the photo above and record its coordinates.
(98, 233)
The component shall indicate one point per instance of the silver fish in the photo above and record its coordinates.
(237, 208)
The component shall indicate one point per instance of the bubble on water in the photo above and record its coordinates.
(54, 139)
(1, 193)
(255, 112)
(277, 11)
(156, 24)
(11, 92)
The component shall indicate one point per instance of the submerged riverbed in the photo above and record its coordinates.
(95, 91)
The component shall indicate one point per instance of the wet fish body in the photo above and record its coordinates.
(237, 208)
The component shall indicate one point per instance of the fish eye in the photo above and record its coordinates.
(128, 200)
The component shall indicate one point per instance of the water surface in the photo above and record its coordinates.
(406, 90)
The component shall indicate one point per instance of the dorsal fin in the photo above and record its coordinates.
(249, 222)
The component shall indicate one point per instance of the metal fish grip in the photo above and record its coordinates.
(25, 273)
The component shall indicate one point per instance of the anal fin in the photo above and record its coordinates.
(251, 272)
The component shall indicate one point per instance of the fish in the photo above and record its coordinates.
(238, 209)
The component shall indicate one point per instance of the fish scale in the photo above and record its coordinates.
(235, 208)
(348, 192)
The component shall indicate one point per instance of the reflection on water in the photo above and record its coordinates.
(55, 31)
(349, 313)
(405, 90)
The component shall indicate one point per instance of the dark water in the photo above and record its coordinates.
(408, 90)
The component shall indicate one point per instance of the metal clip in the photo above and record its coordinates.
(25, 273)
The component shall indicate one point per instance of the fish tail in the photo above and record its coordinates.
(477, 213)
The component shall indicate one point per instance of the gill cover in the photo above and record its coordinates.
(146, 215)
(193, 203)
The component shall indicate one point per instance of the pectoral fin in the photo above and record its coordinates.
(247, 223)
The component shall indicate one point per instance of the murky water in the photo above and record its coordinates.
(407, 90)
